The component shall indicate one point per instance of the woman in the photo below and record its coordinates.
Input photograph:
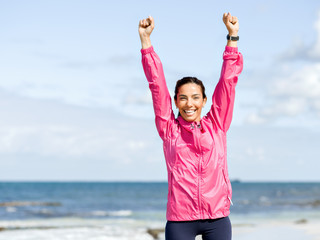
(199, 189)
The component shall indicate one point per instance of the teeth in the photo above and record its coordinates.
(189, 112)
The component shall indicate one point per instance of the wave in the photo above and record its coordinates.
(11, 209)
(265, 201)
(28, 203)
(120, 213)
(29, 228)
(314, 204)
(64, 228)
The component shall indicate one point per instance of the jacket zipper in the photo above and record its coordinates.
(170, 187)
(199, 171)
(200, 167)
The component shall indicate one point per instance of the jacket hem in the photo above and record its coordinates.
(205, 216)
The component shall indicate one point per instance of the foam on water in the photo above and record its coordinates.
(11, 209)
(74, 228)
(83, 233)
(120, 213)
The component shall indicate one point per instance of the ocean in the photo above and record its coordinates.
(129, 210)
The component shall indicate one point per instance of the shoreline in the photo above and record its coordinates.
(249, 229)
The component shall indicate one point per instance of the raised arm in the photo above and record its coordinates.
(232, 25)
(153, 70)
(224, 94)
(146, 27)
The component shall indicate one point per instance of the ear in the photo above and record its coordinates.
(175, 102)
(204, 102)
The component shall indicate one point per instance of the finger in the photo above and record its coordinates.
(225, 18)
(229, 17)
(234, 20)
(145, 23)
(152, 21)
(148, 21)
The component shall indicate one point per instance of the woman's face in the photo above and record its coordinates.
(190, 102)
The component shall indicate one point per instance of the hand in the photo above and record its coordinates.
(231, 23)
(146, 27)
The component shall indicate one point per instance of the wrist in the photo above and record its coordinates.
(234, 34)
(145, 42)
(232, 43)
(232, 40)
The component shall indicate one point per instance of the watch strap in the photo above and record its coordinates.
(232, 38)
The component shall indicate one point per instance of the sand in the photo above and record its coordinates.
(275, 230)
(278, 230)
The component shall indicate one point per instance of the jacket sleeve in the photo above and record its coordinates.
(153, 70)
(224, 94)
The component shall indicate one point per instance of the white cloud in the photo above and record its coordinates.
(293, 89)
(51, 140)
(138, 97)
(288, 107)
(254, 118)
(301, 51)
(304, 82)
(296, 94)
(314, 52)
(317, 105)
(273, 153)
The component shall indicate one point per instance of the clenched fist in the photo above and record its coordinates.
(146, 27)
(231, 23)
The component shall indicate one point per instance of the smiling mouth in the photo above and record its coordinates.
(189, 112)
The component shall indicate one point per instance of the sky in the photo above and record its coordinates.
(75, 104)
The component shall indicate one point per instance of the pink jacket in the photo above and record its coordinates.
(196, 155)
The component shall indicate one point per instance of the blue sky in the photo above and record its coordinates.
(75, 105)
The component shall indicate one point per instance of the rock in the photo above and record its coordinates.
(301, 221)
(155, 232)
(316, 203)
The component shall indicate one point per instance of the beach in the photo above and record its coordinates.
(100, 229)
(137, 210)
(278, 231)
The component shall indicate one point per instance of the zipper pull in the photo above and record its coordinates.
(230, 200)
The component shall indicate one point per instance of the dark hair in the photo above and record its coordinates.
(186, 80)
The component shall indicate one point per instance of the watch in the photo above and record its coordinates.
(232, 38)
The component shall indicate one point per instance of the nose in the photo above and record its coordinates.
(189, 103)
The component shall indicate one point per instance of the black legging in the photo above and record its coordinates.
(210, 229)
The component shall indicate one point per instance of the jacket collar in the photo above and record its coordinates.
(189, 126)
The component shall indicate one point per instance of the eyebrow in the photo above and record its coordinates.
(182, 95)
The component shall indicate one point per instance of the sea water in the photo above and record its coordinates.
(126, 210)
